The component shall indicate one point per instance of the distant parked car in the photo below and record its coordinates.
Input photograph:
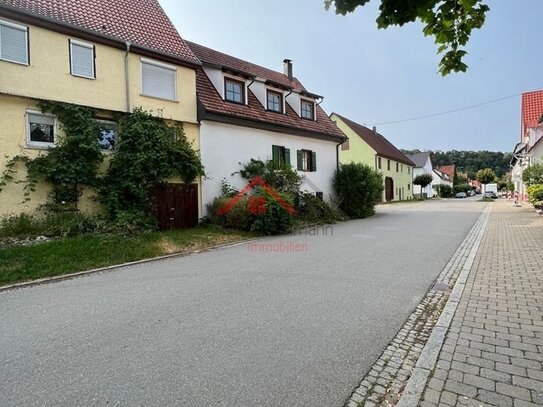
(491, 194)
(461, 195)
(471, 192)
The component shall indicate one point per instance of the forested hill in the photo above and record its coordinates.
(471, 161)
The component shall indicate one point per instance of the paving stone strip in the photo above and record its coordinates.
(493, 350)
(384, 383)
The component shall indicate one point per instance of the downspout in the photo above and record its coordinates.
(126, 77)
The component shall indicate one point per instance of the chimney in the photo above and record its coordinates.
(287, 68)
(375, 129)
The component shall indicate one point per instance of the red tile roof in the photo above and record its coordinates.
(142, 22)
(212, 57)
(254, 111)
(448, 169)
(532, 109)
(377, 141)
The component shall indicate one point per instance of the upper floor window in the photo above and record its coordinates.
(13, 42)
(307, 109)
(379, 162)
(234, 91)
(41, 129)
(82, 59)
(158, 80)
(388, 165)
(397, 167)
(275, 101)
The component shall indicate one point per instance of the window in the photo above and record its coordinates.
(158, 80)
(40, 129)
(307, 160)
(13, 42)
(409, 187)
(275, 101)
(281, 156)
(379, 162)
(319, 195)
(234, 91)
(397, 167)
(82, 59)
(388, 165)
(307, 109)
(409, 170)
(401, 168)
(107, 135)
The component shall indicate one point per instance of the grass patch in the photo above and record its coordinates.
(73, 254)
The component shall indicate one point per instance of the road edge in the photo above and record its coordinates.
(428, 358)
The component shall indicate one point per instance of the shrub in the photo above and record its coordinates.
(359, 188)
(281, 179)
(445, 191)
(535, 193)
(314, 210)
(269, 216)
(238, 217)
(533, 175)
(19, 225)
(461, 188)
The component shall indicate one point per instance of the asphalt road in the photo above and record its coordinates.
(230, 327)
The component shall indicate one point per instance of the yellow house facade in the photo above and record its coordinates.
(46, 57)
(368, 147)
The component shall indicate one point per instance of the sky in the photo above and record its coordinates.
(375, 77)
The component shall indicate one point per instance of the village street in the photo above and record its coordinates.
(236, 326)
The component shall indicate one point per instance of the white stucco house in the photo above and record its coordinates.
(440, 178)
(249, 112)
(423, 165)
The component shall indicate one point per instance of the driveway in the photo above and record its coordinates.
(231, 327)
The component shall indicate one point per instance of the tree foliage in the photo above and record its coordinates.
(148, 152)
(486, 176)
(359, 188)
(533, 175)
(450, 22)
(470, 161)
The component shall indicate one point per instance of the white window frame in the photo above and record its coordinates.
(161, 65)
(22, 28)
(312, 102)
(282, 100)
(40, 144)
(86, 45)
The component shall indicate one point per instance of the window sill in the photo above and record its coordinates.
(275, 111)
(15, 62)
(234, 102)
(31, 146)
(83, 76)
(159, 98)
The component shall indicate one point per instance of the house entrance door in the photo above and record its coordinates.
(389, 189)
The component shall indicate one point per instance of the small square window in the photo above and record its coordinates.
(275, 101)
(307, 109)
(41, 129)
(107, 135)
(234, 91)
(82, 59)
(13, 42)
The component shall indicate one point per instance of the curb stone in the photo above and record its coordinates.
(428, 358)
(385, 382)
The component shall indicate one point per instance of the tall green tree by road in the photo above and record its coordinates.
(423, 180)
(450, 22)
(486, 176)
(533, 175)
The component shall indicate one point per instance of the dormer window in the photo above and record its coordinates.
(234, 91)
(308, 109)
(275, 101)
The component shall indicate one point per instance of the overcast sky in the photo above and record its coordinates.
(377, 76)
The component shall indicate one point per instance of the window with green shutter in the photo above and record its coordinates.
(281, 156)
(307, 160)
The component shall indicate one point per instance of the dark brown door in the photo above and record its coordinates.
(389, 189)
(176, 206)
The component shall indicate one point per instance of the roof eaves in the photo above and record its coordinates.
(116, 42)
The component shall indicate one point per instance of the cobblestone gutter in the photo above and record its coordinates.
(387, 378)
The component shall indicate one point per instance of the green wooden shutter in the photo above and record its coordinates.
(313, 161)
(287, 157)
(300, 160)
(276, 155)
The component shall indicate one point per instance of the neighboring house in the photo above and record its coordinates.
(108, 55)
(423, 165)
(449, 170)
(530, 149)
(369, 147)
(249, 112)
(440, 178)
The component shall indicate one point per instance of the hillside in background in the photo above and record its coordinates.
(470, 161)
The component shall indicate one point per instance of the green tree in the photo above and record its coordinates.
(486, 176)
(450, 22)
(423, 180)
(149, 151)
(359, 188)
(533, 175)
